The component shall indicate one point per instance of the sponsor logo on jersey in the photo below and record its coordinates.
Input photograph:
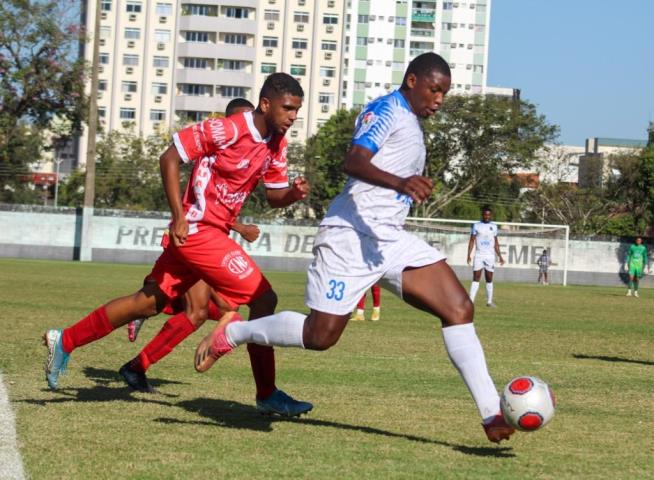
(227, 198)
(367, 121)
(245, 163)
(217, 131)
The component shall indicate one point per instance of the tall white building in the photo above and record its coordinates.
(383, 36)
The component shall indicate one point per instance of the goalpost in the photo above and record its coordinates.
(520, 242)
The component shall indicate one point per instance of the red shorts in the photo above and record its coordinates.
(212, 256)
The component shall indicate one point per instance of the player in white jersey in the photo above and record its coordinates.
(362, 240)
(483, 238)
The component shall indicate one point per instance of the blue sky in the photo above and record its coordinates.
(588, 65)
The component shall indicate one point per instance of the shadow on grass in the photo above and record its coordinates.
(236, 415)
(103, 376)
(606, 358)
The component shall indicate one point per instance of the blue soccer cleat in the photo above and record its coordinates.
(282, 404)
(57, 358)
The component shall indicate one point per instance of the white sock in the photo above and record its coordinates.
(283, 329)
(474, 286)
(466, 354)
(360, 311)
(489, 292)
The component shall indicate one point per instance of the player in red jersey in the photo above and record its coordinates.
(231, 155)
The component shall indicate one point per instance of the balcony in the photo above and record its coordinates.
(423, 15)
(422, 32)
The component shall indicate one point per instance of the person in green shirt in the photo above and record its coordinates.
(635, 263)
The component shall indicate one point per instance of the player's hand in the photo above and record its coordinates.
(417, 187)
(501, 261)
(469, 261)
(626, 268)
(178, 231)
(249, 232)
(300, 188)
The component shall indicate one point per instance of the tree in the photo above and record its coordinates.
(41, 78)
(476, 139)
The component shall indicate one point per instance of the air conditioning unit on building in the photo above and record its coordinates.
(271, 1)
(328, 55)
(269, 52)
(129, 70)
(324, 108)
(159, 72)
(326, 82)
(294, 133)
(157, 99)
(100, 69)
(298, 53)
(132, 17)
(103, 42)
(369, 61)
(330, 29)
(331, 3)
(387, 86)
(388, 63)
(103, 15)
(161, 46)
(128, 97)
(300, 27)
(131, 44)
(270, 25)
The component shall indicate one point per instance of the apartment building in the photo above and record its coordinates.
(382, 37)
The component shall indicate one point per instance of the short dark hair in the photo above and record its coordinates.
(280, 83)
(237, 103)
(486, 208)
(426, 63)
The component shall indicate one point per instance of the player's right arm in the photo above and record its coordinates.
(169, 166)
(249, 232)
(471, 245)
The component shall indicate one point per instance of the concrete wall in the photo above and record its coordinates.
(124, 238)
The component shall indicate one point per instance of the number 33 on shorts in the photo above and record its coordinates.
(336, 290)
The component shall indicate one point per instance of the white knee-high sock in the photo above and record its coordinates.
(489, 292)
(283, 329)
(466, 354)
(474, 286)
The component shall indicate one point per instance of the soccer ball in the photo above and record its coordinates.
(527, 403)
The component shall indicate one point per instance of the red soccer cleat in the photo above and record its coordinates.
(497, 429)
(215, 345)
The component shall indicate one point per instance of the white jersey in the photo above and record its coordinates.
(387, 127)
(484, 234)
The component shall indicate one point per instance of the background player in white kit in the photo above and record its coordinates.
(483, 237)
(362, 240)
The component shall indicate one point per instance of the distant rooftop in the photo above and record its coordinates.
(621, 142)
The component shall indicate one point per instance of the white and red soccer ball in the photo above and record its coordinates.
(527, 403)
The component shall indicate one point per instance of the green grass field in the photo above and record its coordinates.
(388, 403)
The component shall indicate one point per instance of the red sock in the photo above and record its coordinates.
(376, 295)
(175, 330)
(362, 303)
(89, 329)
(262, 359)
(214, 313)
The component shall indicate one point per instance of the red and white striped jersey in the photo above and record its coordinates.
(230, 157)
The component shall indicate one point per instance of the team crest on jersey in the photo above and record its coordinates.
(237, 264)
(367, 121)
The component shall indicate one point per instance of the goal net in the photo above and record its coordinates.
(521, 245)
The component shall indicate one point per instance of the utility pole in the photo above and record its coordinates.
(86, 247)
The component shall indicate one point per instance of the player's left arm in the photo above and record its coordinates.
(497, 251)
(283, 197)
(249, 232)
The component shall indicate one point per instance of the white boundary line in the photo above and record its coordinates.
(11, 465)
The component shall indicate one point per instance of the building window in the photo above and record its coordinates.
(191, 116)
(271, 15)
(162, 36)
(157, 115)
(105, 32)
(328, 72)
(102, 85)
(104, 59)
(105, 5)
(298, 70)
(232, 92)
(133, 7)
(362, 41)
(400, 20)
(197, 37)
(164, 9)
(268, 68)
(326, 98)
(160, 62)
(132, 33)
(159, 88)
(236, 12)
(236, 39)
(128, 87)
(131, 60)
(330, 19)
(301, 17)
(299, 44)
(195, 89)
(399, 43)
(231, 64)
(363, 19)
(200, 10)
(328, 45)
(270, 42)
(194, 62)
(102, 112)
(127, 113)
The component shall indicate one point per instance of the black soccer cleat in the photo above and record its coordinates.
(136, 380)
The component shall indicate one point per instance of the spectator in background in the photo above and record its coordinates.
(544, 262)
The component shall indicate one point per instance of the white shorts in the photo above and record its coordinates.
(347, 263)
(486, 262)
